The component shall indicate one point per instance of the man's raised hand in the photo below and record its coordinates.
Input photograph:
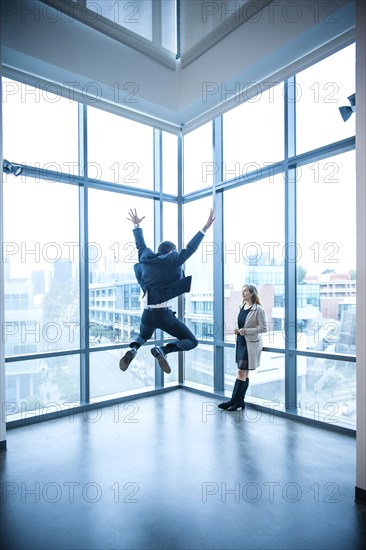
(210, 220)
(134, 217)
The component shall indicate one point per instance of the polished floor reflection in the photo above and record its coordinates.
(173, 472)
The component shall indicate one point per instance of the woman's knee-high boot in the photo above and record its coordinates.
(226, 404)
(238, 399)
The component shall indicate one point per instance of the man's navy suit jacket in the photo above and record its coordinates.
(161, 275)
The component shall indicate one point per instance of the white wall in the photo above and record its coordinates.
(2, 353)
(361, 244)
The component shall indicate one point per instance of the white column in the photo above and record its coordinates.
(2, 354)
(361, 247)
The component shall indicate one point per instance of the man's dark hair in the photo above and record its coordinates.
(165, 247)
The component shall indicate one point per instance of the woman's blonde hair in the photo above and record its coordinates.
(255, 296)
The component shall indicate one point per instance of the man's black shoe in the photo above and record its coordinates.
(161, 358)
(127, 358)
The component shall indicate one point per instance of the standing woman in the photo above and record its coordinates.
(249, 344)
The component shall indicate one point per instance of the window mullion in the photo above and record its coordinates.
(290, 327)
(218, 264)
(84, 260)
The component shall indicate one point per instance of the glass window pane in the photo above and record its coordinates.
(199, 302)
(253, 134)
(267, 382)
(326, 251)
(172, 378)
(40, 127)
(170, 163)
(327, 390)
(119, 150)
(41, 253)
(198, 366)
(170, 225)
(168, 27)
(41, 385)
(106, 379)
(253, 252)
(114, 293)
(198, 159)
(321, 90)
(135, 16)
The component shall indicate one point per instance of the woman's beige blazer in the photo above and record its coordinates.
(255, 325)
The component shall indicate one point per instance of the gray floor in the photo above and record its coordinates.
(172, 472)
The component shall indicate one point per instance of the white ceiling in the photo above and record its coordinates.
(89, 66)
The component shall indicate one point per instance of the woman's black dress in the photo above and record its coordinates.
(241, 344)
